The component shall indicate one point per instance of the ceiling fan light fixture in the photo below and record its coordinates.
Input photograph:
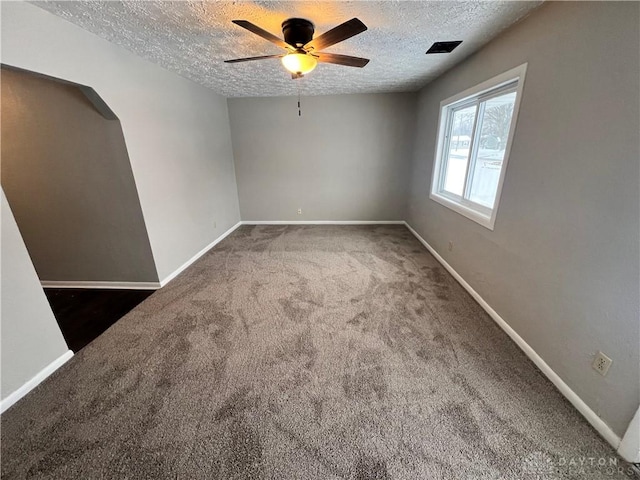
(299, 63)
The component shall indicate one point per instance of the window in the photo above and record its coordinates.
(474, 138)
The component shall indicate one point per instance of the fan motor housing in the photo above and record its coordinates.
(297, 31)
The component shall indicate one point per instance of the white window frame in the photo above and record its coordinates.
(497, 85)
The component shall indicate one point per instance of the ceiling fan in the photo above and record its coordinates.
(303, 51)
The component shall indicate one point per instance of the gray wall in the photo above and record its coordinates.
(67, 176)
(562, 265)
(176, 132)
(31, 339)
(346, 158)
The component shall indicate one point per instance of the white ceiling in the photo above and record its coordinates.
(194, 38)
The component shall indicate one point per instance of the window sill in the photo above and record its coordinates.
(475, 215)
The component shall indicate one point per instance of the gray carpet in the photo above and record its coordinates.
(303, 352)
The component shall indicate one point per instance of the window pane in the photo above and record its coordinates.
(493, 125)
(458, 154)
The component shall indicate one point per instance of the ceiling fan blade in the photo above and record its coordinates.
(341, 59)
(250, 59)
(262, 33)
(338, 34)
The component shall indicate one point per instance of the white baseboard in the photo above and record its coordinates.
(180, 269)
(35, 381)
(137, 285)
(597, 423)
(323, 222)
(105, 285)
(630, 445)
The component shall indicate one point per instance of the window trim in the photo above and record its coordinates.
(478, 213)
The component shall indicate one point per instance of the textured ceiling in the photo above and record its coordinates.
(194, 38)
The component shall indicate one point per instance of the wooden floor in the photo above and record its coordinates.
(84, 314)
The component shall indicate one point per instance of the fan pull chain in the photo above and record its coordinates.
(299, 109)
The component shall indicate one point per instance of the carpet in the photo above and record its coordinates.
(304, 352)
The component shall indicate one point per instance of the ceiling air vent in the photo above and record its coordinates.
(444, 47)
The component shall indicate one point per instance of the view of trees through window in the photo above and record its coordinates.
(474, 159)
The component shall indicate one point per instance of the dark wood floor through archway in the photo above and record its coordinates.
(84, 314)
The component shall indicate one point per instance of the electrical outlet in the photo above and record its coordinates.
(299, 211)
(450, 246)
(601, 363)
